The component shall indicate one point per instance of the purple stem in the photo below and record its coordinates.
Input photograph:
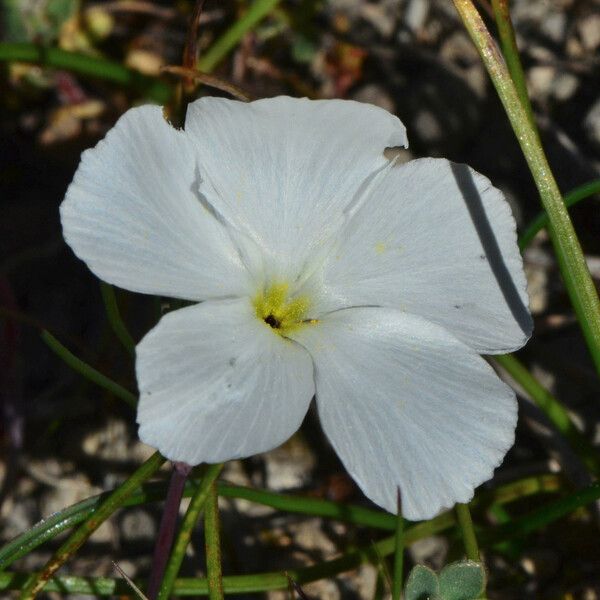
(166, 531)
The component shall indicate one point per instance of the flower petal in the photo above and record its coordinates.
(434, 239)
(284, 169)
(217, 383)
(405, 404)
(133, 216)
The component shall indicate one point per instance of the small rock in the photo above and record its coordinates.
(365, 580)
(137, 526)
(324, 589)
(415, 15)
(21, 517)
(540, 79)
(375, 94)
(537, 289)
(310, 536)
(427, 127)
(538, 53)
(554, 27)
(70, 491)
(289, 466)
(105, 534)
(589, 32)
(574, 48)
(540, 563)
(564, 86)
(431, 551)
(109, 443)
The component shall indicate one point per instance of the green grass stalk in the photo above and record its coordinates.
(212, 542)
(114, 317)
(90, 66)
(230, 39)
(465, 522)
(574, 270)
(87, 371)
(115, 500)
(552, 408)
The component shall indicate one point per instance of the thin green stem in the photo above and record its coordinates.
(86, 65)
(552, 408)
(508, 42)
(543, 516)
(114, 317)
(185, 531)
(50, 527)
(541, 220)
(312, 506)
(261, 582)
(398, 553)
(465, 522)
(87, 371)
(522, 488)
(212, 542)
(230, 39)
(574, 270)
(37, 582)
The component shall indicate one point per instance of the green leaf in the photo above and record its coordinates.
(422, 584)
(464, 580)
(36, 22)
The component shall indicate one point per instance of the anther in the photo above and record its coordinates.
(273, 322)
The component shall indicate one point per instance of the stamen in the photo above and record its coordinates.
(273, 322)
(278, 310)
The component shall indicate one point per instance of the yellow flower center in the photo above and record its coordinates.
(281, 313)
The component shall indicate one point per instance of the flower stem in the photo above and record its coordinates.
(185, 531)
(465, 522)
(37, 582)
(212, 540)
(260, 582)
(568, 251)
(510, 51)
(552, 408)
(87, 371)
(229, 40)
(166, 532)
(71, 516)
(114, 317)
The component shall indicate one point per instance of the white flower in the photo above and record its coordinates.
(319, 268)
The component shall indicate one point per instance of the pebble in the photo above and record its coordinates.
(415, 14)
(373, 93)
(564, 86)
(554, 26)
(589, 32)
(431, 551)
(289, 466)
(137, 525)
(540, 79)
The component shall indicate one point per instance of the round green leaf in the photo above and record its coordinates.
(464, 580)
(422, 584)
